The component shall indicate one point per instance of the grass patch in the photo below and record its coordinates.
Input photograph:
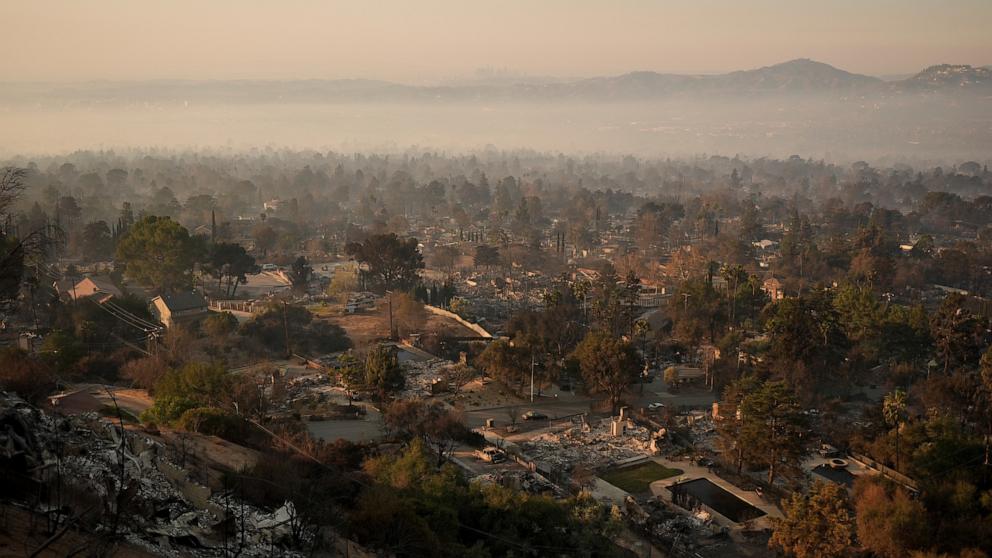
(637, 478)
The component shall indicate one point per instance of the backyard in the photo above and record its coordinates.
(637, 478)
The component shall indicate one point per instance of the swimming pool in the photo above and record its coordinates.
(839, 476)
(703, 491)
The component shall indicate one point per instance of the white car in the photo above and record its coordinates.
(656, 406)
(491, 454)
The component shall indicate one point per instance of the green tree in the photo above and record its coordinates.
(416, 509)
(819, 524)
(96, 242)
(220, 325)
(729, 424)
(955, 331)
(614, 302)
(905, 334)
(807, 330)
(383, 373)
(751, 227)
(62, 350)
(158, 252)
(230, 263)
(608, 365)
(439, 426)
(192, 386)
(510, 364)
(894, 412)
(697, 311)
(300, 273)
(388, 261)
(860, 312)
(554, 331)
(351, 372)
(773, 428)
(735, 277)
(799, 252)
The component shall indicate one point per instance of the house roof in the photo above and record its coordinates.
(103, 284)
(177, 302)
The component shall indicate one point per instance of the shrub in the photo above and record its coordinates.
(212, 421)
(167, 409)
(25, 375)
(145, 372)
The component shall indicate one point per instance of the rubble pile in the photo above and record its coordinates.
(122, 483)
(302, 388)
(591, 446)
(675, 532)
(525, 481)
(421, 377)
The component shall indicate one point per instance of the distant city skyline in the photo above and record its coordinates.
(432, 40)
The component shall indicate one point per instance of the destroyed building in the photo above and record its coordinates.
(119, 485)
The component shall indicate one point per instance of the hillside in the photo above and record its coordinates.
(795, 77)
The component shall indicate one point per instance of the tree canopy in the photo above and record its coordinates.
(159, 253)
(608, 364)
(388, 262)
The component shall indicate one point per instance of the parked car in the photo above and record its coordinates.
(270, 267)
(491, 454)
(534, 415)
(656, 406)
(827, 451)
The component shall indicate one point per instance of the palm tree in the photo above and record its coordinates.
(732, 274)
(640, 330)
(894, 411)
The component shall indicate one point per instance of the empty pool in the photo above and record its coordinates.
(702, 491)
(839, 476)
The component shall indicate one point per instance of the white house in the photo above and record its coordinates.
(171, 309)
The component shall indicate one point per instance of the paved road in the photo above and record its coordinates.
(360, 430)
(364, 429)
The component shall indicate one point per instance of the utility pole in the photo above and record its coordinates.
(392, 332)
(532, 363)
(285, 325)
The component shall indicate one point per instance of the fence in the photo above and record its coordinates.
(887, 471)
(474, 327)
(246, 306)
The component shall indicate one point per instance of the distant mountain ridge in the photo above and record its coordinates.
(952, 75)
(800, 76)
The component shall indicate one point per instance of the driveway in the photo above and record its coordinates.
(365, 429)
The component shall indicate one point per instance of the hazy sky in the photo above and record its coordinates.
(423, 40)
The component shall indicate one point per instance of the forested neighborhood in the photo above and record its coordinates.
(417, 342)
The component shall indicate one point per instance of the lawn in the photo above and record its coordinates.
(637, 478)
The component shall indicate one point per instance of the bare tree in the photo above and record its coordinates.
(11, 187)
(513, 414)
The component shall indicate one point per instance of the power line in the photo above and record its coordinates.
(122, 318)
(127, 317)
(119, 308)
